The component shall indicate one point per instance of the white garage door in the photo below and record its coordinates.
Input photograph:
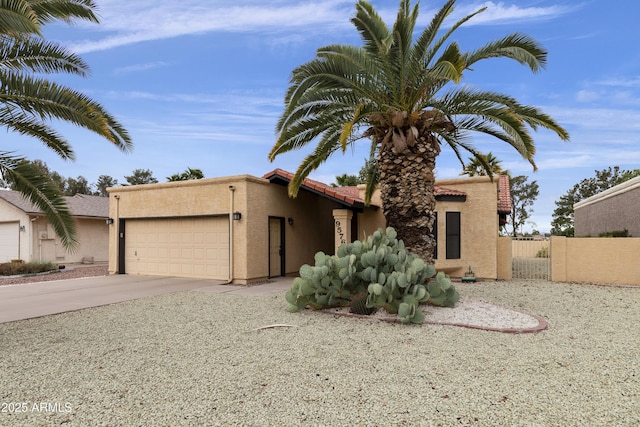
(9, 234)
(183, 247)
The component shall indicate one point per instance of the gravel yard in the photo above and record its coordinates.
(195, 358)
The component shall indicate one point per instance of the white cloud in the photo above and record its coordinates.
(587, 96)
(499, 12)
(140, 67)
(628, 82)
(126, 22)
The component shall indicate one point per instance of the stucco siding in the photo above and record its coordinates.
(94, 241)
(311, 231)
(609, 211)
(255, 199)
(595, 260)
(478, 223)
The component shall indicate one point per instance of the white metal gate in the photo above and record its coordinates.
(530, 258)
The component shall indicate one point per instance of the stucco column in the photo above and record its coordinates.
(342, 226)
(558, 252)
(504, 258)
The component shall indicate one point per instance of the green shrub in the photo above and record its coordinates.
(615, 233)
(543, 253)
(18, 267)
(380, 266)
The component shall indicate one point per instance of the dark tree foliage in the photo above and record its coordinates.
(523, 196)
(141, 176)
(104, 182)
(346, 180)
(562, 217)
(78, 185)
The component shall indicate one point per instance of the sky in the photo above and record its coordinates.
(201, 84)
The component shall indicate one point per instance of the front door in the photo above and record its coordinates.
(276, 246)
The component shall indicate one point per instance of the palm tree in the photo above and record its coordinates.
(404, 96)
(187, 175)
(29, 102)
(483, 165)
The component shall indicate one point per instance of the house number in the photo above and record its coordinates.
(340, 232)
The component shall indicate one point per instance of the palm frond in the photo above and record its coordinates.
(43, 193)
(46, 100)
(32, 54)
(374, 32)
(519, 47)
(325, 148)
(16, 120)
(64, 10)
(423, 43)
(393, 86)
(17, 17)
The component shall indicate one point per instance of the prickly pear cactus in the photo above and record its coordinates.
(359, 305)
(442, 292)
(391, 277)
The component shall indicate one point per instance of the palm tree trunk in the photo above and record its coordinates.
(407, 191)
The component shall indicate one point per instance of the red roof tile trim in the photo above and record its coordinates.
(349, 195)
(441, 191)
(504, 196)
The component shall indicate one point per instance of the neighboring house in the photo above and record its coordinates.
(245, 229)
(615, 209)
(25, 233)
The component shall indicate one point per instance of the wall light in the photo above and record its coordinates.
(290, 221)
(237, 216)
(109, 221)
(23, 228)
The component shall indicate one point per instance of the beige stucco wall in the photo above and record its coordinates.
(175, 199)
(93, 242)
(39, 243)
(255, 198)
(312, 228)
(595, 260)
(479, 226)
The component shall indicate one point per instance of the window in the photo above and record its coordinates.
(435, 236)
(453, 235)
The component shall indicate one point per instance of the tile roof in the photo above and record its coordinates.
(346, 195)
(441, 191)
(351, 195)
(80, 205)
(504, 195)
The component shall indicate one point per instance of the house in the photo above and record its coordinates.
(245, 229)
(25, 233)
(615, 209)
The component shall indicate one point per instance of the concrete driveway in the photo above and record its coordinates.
(26, 301)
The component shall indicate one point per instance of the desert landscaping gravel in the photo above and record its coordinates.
(196, 359)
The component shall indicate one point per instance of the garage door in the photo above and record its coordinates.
(184, 247)
(9, 234)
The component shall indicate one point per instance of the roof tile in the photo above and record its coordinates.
(79, 205)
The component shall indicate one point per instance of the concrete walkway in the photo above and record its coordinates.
(26, 301)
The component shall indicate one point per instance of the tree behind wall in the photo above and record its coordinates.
(141, 176)
(523, 196)
(562, 217)
(104, 182)
(187, 175)
(483, 165)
